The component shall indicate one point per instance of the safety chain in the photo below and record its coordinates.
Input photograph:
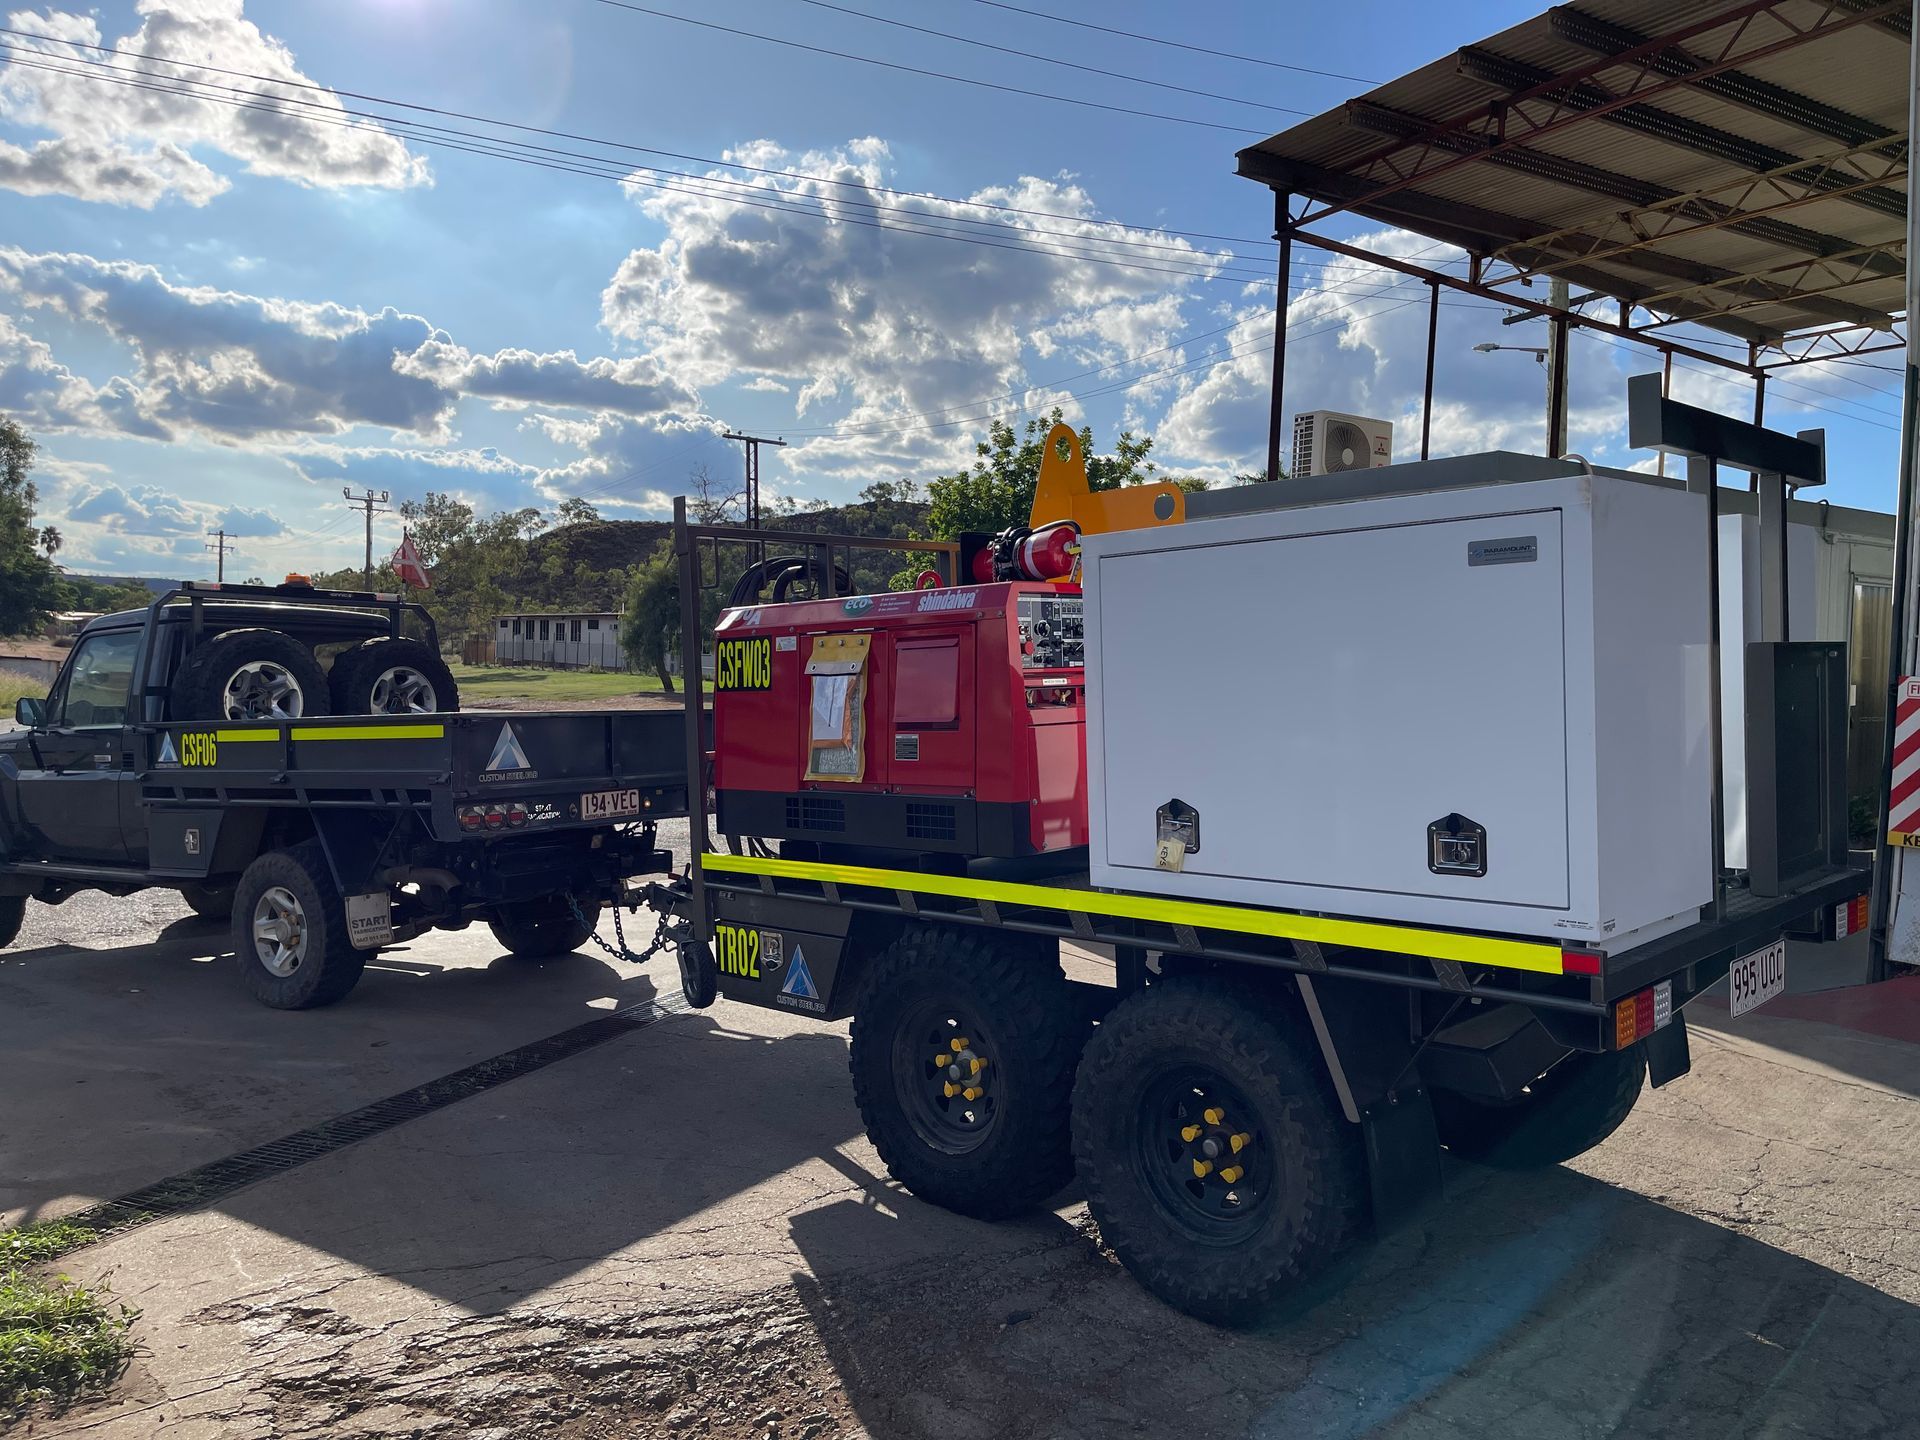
(670, 931)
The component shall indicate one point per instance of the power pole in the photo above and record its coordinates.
(1557, 371)
(220, 545)
(367, 502)
(753, 442)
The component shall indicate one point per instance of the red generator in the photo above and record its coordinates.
(945, 721)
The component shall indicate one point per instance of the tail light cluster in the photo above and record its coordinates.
(1638, 1016)
(476, 818)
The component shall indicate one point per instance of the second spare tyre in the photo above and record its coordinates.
(392, 676)
(250, 675)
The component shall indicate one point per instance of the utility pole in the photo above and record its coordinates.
(753, 442)
(1557, 370)
(220, 545)
(367, 502)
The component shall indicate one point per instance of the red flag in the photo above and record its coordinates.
(406, 563)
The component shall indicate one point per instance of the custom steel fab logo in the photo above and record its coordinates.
(745, 664)
(196, 747)
(508, 760)
(947, 600)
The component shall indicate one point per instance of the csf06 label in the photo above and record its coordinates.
(743, 664)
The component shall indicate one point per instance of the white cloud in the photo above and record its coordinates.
(127, 144)
(108, 171)
(139, 509)
(894, 324)
(246, 368)
(518, 378)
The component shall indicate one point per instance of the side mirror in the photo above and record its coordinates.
(30, 711)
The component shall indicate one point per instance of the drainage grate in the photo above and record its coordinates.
(208, 1183)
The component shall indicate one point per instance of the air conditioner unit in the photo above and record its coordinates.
(1325, 443)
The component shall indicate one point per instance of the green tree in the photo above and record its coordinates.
(653, 613)
(30, 587)
(574, 511)
(998, 490)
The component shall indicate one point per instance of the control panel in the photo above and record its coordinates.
(1052, 632)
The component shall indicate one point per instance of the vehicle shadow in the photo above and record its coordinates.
(126, 1065)
(1542, 1305)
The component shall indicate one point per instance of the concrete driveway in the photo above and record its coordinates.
(680, 1231)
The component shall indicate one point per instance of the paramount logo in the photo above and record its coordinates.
(947, 599)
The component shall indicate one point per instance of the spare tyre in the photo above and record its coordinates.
(392, 677)
(250, 675)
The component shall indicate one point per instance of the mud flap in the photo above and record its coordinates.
(1668, 1057)
(1403, 1156)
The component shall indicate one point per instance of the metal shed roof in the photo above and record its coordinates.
(1741, 166)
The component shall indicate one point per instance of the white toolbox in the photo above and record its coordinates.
(1483, 706)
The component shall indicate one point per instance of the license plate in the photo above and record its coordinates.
(609, 804)
(1757, 978)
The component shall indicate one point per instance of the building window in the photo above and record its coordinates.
(516, 627)
(576, 632)
(593, 624)
(543, 630)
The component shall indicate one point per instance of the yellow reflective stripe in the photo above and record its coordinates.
(369, 732)
(240, 737)
(1319, 930)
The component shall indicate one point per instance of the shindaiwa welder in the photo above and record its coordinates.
(941, 721)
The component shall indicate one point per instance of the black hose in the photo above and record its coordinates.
(783, 571)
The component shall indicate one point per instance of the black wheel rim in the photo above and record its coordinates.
(1205, 1154)
(945, 1072)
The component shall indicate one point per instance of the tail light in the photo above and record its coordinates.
(516, 815)
(471, 817)
(1638, 1016)
(496, 818)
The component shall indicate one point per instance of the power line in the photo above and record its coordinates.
(792, 202)
(1053, 60)
(928, 74)
(1181, 45)
(591, 139)
(787, 201)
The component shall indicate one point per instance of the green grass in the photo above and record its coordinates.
(58, 1339)
(480, 684)
(13, 685)
(42, 1241)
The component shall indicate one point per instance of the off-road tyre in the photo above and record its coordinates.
(1012, 993)
(1304, 1163)
(210, 902)
(357, 675)
(1566, 1112)
(199, 689)
(329, 966)
(13, 912)
(540, 929)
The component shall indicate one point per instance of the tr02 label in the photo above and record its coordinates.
(743, 664)
(736, 951)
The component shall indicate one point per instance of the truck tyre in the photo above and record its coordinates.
(1214, 1154)
(540, 929)
(210, 902)
(13, 911)
(390, 676)
(290, 931)
(963, 1053)
(250, 675)
(1566, 1112)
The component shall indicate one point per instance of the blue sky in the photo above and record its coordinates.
(216, 315)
